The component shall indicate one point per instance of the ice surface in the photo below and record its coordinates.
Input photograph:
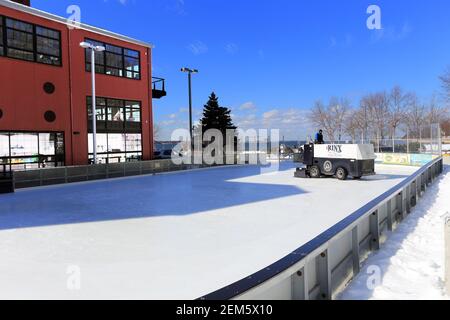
(411, 264)
(170, 236)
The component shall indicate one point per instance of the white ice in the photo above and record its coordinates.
(410, 266)
(169, 236)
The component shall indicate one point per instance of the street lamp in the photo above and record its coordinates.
(94, 49)
(190, 72)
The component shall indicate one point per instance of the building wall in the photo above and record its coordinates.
(24, 102)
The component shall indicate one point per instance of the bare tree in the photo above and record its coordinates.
(415, 116)
(445, 127)
(339, 109)
(445, 79)
(156, 132)
(355, 123)
(331, 118)
(435, 112)
(398, 107)
(321, 118)
(376, 108)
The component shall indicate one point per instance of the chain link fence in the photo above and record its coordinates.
(412, 146)
(424, 140)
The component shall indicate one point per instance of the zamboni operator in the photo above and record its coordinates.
(319, 138)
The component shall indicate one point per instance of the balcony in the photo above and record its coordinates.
(158, 88)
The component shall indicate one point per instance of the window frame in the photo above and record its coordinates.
(2, 38)
(125, 105)
(34, 35)
(104, 66)
(57, 156)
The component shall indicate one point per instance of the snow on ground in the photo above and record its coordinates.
(169, 236)
(410, 265)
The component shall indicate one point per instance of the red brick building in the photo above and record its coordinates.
(45, 92)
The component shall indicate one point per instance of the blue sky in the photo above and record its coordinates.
(270, 60)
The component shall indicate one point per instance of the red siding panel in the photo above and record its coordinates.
(24, 101)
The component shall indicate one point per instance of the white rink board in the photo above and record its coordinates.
(170, 236)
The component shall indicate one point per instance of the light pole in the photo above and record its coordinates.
(94, 49)
(190, 72)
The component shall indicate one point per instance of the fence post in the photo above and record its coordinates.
(447, 253)
(300, 286)
(423, 181)
(375, 231)
(408, 199)
(13, 180)
(390, 218)
(400, 206)
(324, 276)
(355, 251)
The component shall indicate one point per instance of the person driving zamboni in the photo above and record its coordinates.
(319, 138)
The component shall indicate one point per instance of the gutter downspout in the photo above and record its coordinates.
(150, 102)
(70, 93)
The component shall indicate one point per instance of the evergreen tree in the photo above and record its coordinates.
(216, 117)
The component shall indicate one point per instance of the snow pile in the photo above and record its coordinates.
(410, 265)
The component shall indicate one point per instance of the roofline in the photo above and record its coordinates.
(55, 18)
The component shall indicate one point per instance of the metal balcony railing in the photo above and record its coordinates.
(158, 88)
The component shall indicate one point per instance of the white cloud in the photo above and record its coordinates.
(293, 123)
(179, 7)
(261, 55)
(271, 115)
(231, 48)
(391, 33)
(198, 48)
(247, 106)
(345, 41)
(246, 122)
(167, 122)
(122, 2)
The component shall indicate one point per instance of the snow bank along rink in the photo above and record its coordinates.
(169, 236)
(410, 265)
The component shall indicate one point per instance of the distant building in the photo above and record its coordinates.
(45, 92)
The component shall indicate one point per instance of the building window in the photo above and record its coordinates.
(4, 145)
(2, 50)
(31, 150)
(26, 41)
(115, 61)
(119, 130)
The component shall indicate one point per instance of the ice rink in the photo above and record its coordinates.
(169, 236)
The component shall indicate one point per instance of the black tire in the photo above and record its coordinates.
(314, 172)
(341, 173)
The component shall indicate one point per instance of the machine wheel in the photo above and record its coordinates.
(314, 172)
(341, 173)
